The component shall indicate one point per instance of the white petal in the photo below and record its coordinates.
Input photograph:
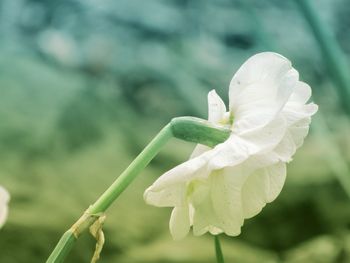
(203, 211)
(199, 149)
(232, 152)
(4, 199)
(298, 118)
(287, 147)
(237, 149)
(262, 67)
(170, 189)
(293, 113)
(277, 176)
(216, 107)
(301, 94)
(171, 195)
(226, 198)
(261, 87)
(266, 138)
(217, 203)
(253, 194)
(3, 215)
(216, 114)
(262, 187)
(4, 195)
(205, 219)
(179, 222)
(216, 231)
(298, 134)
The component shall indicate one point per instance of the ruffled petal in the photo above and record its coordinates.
(293, 113)
(237, 149)
(217, 203)
(253, 194)
(299, 132)
(298, 118)
(203, 210)
(262, 187)
(287, 147)
(277, 176)
(232, 152)
(229, 195)
(170, 189)
(301, 94)
(179, 222)
(266, 138)
(226, 199)
(263, 67)
(260, 89)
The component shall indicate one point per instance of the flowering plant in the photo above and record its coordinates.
(238, 166)
(218, 188)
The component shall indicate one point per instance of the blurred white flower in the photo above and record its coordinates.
(218, 188)
(4, 199)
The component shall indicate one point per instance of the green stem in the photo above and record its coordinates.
(140, 162)
(218, 251)
(63, 247)
(184, 128)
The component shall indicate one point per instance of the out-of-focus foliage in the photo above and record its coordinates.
(85, 84)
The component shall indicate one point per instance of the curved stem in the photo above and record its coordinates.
(186, 128)
(218, 251)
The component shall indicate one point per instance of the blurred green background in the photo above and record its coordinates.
(85, 84)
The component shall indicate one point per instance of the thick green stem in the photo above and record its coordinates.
(218, 251)
(184, 128)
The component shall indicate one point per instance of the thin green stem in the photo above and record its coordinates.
(218, 250)
(184, 128)
(63, 247)
(140, 162)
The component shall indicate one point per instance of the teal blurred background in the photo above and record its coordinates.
(85, 84)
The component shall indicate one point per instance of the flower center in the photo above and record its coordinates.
(227, 120)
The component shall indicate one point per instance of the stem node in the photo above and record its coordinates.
(186, 128)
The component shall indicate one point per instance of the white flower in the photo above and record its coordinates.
(218, 188)
(4, 199)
